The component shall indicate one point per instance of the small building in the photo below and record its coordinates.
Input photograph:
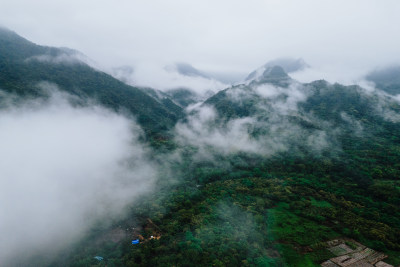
(350, 253)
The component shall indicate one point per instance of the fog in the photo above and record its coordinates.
(334, 74)
(227, 37)
(275, 122)
(64, 167)
(65, 56)
(166, 78)
(272, 128)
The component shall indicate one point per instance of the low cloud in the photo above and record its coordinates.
(63, 168)
(62, 56)
(202, 131)
(277, 125)
(167, 78)
(346, 75)
(59, 59)
(382, 104)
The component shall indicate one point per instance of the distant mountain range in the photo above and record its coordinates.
(24, 65)
(189, 70)
(288, 65)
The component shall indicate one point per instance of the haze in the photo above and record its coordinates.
(337, 38)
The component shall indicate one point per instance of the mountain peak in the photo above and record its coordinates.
(11, 36)
(187, 70)
(4, 30)
(274, 72)
(278, 68)
(288, 64)
(269, 74)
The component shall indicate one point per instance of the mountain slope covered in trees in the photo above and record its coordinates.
(24, 65)
(305, 164)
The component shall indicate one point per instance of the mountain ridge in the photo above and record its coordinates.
(24, 64)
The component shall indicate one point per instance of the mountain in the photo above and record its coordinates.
(386, 79)
(268, 172)
(276, 171)
(273, 75)
(288, 65)
(123, 73)
(188, 70)
(290, 112)
(24, 65)
(183, 96)
(226, 102)
(270, 86)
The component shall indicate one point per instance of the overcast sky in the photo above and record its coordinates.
(214, 35)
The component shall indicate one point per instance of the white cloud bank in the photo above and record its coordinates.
(62, 168)
(164, 79)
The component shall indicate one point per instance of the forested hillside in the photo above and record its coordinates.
(271, 170)
(24, 66)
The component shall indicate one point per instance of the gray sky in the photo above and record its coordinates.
(219, 35)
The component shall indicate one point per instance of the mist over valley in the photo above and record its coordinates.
(235, 140)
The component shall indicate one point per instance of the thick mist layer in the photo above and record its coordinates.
(62, 168)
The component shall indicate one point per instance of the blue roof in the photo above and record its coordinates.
(136, 241)
(98, 258)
